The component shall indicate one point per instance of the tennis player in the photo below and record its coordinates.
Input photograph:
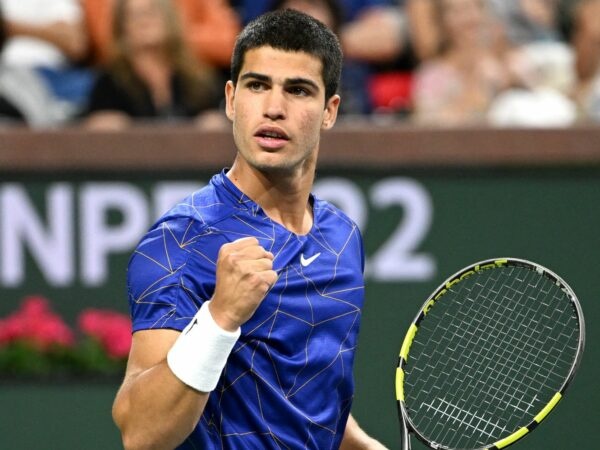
(246, 297)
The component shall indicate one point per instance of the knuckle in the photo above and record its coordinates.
(254, 280)
(225, 249)
(247, 241)
(272, 277)
(229, 258)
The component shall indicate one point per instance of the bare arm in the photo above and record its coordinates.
(375, 36)
(586, 39)
(356, 439)
(70, 37)
(153, 408)
(424, 31)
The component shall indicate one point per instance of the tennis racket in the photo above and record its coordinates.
(488, 356)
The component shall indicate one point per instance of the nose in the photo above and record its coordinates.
(274, 107)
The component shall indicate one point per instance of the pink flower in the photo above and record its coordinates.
(110, 328)
(35, 323)
(34, 306)
(11, 329)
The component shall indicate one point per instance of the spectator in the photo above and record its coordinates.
(390, 87)
(210, 28)
(152, 75)
(517, 22)
(586, 42)
(535, 43)
(528, 37)
(45, 40)
(458, 84)
(538, 55)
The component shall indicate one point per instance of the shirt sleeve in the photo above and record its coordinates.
(166, 281)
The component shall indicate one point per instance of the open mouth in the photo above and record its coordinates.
(271, 134)
(271, 138)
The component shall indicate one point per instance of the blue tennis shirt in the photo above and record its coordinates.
(288, 382)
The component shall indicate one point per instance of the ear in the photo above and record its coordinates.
(331, 111)
(229, 97)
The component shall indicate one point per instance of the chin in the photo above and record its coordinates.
(275, 168)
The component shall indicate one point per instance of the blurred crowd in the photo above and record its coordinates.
(107, 64)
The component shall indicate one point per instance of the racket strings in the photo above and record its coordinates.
(498, 357)
(473, 353)
(514, 350)
(500, 350)
(492, 348)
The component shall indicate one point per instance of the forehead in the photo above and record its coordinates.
(282, 65)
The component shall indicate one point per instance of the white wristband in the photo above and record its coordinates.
(200, 352)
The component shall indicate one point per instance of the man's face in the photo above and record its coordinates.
(278, 109)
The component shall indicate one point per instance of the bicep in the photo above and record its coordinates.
(148, 349)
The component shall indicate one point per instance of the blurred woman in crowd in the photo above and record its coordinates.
(458, 85)
(209, 26)
(152, 74)
(586, 42)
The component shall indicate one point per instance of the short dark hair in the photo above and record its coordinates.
(293, 31)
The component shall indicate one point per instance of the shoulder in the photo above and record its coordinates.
(181, 242)
(331, 219)
(204, 207)
(196, 216)
(339, 233)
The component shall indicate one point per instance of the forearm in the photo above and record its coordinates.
(163, 397)
(424, 34)
(156, 410)
(70, 38)
(355, 438)
(586, 39)
(377, 36)
(588, 57)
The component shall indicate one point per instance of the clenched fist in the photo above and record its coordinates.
(244, 276)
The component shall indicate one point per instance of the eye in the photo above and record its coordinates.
(255, 85)
(299, 91)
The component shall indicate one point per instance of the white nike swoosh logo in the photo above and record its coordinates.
(307, 261)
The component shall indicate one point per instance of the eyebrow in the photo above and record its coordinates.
(289, 81)
(255, 76)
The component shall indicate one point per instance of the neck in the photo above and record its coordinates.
(284, 197)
